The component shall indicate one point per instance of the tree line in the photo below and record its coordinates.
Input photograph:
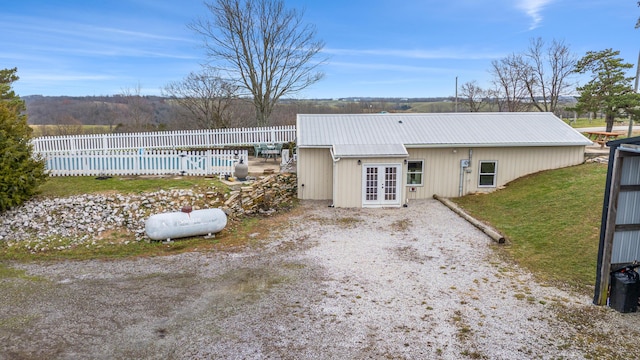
(66, 115)
(258, 54)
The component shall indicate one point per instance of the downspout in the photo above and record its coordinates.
(465, 164)
(333, 185)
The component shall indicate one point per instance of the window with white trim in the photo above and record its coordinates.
(488, 173)
(415, 169)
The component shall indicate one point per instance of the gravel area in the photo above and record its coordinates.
(408, 283)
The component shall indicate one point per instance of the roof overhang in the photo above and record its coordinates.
(369, 150)
(495, 145)
(359, 147)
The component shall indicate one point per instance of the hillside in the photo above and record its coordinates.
(64, 115)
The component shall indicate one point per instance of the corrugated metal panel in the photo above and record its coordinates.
(626, 243)
(630, 171)
(626, 247)
(369, 150)
(473, 129)
(628, 210)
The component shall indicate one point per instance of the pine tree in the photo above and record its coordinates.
(20, 172)
(610, 89)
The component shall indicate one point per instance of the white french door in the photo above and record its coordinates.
(381, 185)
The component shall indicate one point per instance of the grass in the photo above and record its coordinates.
(76, 185)
(55, 130)
(585, 122)
(552, 222)
(236, 235)
(7, 272)
(121, 244)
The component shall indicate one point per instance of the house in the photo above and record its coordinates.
(386, 160)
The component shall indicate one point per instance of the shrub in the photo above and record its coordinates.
(20, 172)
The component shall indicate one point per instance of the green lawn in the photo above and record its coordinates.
(63, 186)
(552, 222)
(123, 244)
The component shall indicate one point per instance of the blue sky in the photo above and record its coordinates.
(376, 48)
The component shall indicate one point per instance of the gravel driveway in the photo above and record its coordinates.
(408, 283)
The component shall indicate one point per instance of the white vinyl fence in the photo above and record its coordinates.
(183, 140)
(143, 162)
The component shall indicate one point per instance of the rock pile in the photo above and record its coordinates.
(59, 223)
(603, 159)
(263, 195)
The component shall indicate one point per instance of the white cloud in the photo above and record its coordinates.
(533, 8)
(70, 77)
(385, 67)
(415, 54)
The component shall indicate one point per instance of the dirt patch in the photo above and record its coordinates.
(415, 282)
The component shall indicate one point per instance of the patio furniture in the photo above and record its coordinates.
(259, 149)
(272, 151)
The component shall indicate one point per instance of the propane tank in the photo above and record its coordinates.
(241, 171)
(181, 224)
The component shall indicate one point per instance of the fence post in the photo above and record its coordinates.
(183, 163)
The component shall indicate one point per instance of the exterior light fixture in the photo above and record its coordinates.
(359, 162)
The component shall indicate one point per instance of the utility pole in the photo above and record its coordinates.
(635, 88)
(457, 94)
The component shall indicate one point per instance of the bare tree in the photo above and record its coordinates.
(549, 73)
(511, 74)
(206, 97)
(265, 46)
(472, 96)
(139, 112)
(67, 125)
(537, 78)
(104, 113)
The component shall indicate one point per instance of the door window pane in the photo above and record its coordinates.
(390, 182)
(371, 190)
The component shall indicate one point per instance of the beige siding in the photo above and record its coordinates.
(349, 177)
(315, 172)
(442, 167)
(348, 185)
(441, 176)
(514, 163)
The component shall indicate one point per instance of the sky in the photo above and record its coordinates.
(374, 48)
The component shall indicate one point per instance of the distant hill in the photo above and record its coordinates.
(147, 113)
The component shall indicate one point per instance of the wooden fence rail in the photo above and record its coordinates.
(143, 162)
(183, 140)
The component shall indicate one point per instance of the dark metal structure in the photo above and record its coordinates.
(620, 225)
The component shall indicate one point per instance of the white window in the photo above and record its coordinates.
(415, 170)
(488, 172)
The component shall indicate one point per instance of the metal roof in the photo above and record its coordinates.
(370, 150)
(437, 130)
